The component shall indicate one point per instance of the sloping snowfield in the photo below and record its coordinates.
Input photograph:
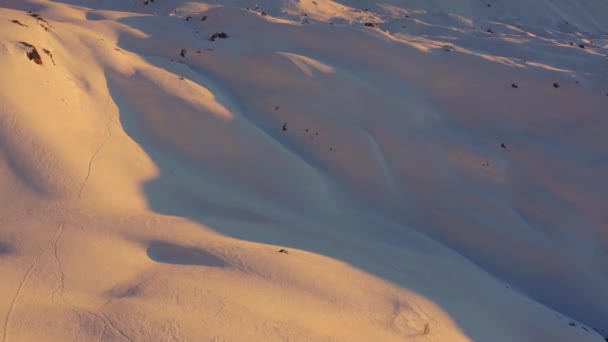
(428, 170)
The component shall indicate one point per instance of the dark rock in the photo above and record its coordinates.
(503, 145)
(572, 324)
(218, 35)
(284, 251)
(285, 126)
(32, 53)
(204, 18)
(582, 46)
(556, 85)
(183, 53)
(50, 55)
(514, 86)
(263, 14)
(18, 23)
(369, 24)
(38, 17)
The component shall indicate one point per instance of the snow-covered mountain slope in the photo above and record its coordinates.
(432, 170)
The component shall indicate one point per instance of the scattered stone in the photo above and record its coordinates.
(514, 86)
(503, 145)
(188, 18)
(555, 85)
(218, 35)
(50, 55)
(490, 31)
(32, 53)
(204, 18)
(18, 23)
(284, 251)
(38, 17)
(582, 46)
(285, 126)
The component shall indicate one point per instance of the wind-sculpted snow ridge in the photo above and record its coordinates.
(303, 170)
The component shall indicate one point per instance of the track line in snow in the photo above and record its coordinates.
(92, 158)
(26, 277)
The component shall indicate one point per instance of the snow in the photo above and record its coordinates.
(145, 195)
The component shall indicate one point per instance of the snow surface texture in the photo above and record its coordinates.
(438, 174)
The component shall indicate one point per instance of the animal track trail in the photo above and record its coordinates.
(61, 285)
(26, 277)
(94, 155)
(111, 325)
(74, 308)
